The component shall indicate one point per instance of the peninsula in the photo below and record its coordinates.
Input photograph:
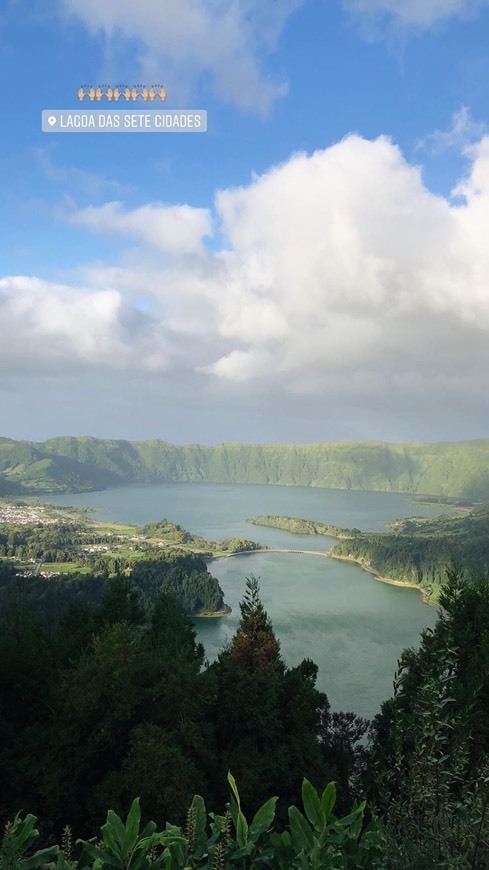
(413, 552)
(62, 551)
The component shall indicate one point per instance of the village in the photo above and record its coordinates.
(45, 540)
(27, 514)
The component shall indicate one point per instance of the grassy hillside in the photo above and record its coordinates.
(25, 466)
(459, 469)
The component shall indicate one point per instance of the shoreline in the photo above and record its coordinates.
(427, 593)
(216, 614)
(408, 584)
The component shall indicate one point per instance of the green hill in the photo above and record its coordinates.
(419, 550)
(8, 487)
(67, 464)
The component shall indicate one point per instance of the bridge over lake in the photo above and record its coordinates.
(277, 550)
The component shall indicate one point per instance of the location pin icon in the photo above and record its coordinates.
(51, 120)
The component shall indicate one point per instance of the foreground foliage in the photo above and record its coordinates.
(118, 701)
(429, 765)
(314, 839)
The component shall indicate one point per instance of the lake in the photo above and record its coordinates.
(353, 626)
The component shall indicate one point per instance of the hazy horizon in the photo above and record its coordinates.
(244, 443)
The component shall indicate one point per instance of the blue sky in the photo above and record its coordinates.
(312, 268)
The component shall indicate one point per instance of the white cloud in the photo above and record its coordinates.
(61, 331)
(184, 40)
(341, 277)
(55, 324)
(463, 131)
(417, 13)
(176, 229)
(344, 268)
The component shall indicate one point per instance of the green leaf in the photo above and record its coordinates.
(62, 863)
(109, 860)
(149, 829)
(137, 860)
(232, 783)
(110, 842)
(243, 851)
(312, 805)
(200, 815)
(302, 836)
(113, 833)
(328, 800)
(132, 827)
(346, 821)
(241, 830)
(89, 847)
(356, 828)
(164, 838)
(233, 808)
(97, 855)
(263, 819)
(40, 858)
(353, 816)
(23, 832)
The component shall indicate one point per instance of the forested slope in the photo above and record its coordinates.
(419, 550)
(459, 469)
(121, 702)
(416, 550)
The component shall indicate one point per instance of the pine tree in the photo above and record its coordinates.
(254, 647)
(266, 716)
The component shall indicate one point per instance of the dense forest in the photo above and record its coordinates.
(60, 553)
(69, 464)
(183, 576)
(120, 703)
(116, 703)
(419, 550)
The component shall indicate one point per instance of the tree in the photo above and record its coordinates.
(121, 602)
(116, 695)
(429, 770)
(254, 647)
(266, 716)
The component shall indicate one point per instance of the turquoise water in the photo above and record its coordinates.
(350, 624)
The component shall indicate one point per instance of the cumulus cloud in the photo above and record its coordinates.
(54, 323)
(224, 40)
(340, 277)
(416, 13)
(60, 330)
(176, 229)
(344, 273)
